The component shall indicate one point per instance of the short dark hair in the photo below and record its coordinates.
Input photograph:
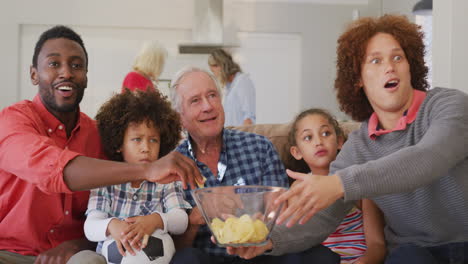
(351, 50)
(115, 115)
(56, 32)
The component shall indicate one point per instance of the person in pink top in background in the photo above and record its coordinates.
(316, 137)
(147, 67)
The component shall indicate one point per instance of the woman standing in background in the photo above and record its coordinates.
(239, 91)
(147, 67)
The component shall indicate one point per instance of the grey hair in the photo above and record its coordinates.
(175, 97)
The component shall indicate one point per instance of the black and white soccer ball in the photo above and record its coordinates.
(159, 250)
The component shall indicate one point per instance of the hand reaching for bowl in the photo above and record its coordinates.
(311, 193)
(174, 167)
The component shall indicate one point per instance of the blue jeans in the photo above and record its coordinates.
(453, 253)
(318, 254)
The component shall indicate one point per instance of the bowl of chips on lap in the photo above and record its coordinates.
(239, 215)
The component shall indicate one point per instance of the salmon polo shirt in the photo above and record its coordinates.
(37, 209)
(374, 129)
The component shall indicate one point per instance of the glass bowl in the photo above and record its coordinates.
(239, 215)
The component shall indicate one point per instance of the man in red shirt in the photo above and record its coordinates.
(50, 155)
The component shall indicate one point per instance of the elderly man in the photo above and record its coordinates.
(224, 157)
(49, 154)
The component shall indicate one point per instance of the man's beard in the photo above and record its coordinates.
(48, 98)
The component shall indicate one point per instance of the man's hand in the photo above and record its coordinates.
(63, 252)
(173, 167)
(248, 252)
(139, 227)
(195, 217)
(311, 194)
(115, 228)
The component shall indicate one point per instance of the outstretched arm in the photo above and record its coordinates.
(310, 193)
(84, 173)
(425, 162)
(284, 240)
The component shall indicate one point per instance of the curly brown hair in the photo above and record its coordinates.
(115, 115)
(351, 50)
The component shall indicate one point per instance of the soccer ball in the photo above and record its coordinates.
(159, 250)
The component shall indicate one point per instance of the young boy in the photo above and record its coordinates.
(138, 128)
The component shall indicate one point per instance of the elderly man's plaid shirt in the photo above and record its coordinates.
(246, 159)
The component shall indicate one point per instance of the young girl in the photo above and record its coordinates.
(136, 127)
(316, 138)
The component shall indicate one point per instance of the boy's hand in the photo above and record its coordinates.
(116, 228)
(139, 226)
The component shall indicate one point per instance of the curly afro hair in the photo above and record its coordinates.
(115, 115)
(351, 50)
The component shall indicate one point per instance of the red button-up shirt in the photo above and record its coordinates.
(37, 209)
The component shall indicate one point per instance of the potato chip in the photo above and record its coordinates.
(217, 225)
(201, 184)
(261, 231)
(239, 230)
(244, 229)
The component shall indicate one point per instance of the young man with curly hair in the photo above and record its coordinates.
(410, 155)
(138, 128)
(49, 157)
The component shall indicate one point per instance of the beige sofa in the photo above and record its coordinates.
(278, 135)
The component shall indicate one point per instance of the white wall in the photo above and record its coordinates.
(317, 24)
(273, 62)
(15, 16)
(111, 51)
(450, 53)
(402, 7)
(310, 21)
